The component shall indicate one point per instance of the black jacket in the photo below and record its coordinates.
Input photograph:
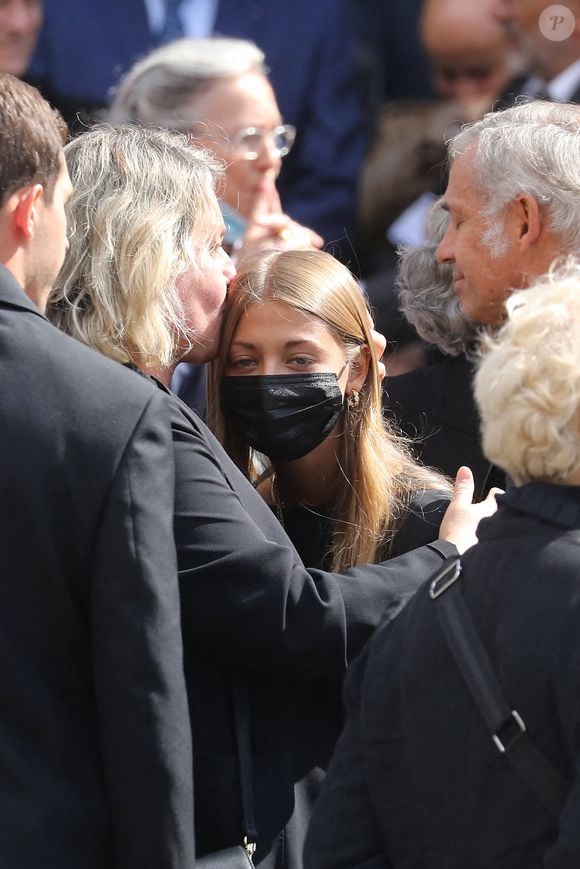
(95, 754)
(250, 608)
(416, 780)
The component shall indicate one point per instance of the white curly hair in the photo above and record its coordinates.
(528, 383)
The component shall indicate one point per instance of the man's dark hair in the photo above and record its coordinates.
(32, 134)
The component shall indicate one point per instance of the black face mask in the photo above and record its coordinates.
(283, 416)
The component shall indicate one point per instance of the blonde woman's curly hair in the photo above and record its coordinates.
(141, 203)
(528, 384)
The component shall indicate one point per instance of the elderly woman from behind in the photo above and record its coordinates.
(417, 779)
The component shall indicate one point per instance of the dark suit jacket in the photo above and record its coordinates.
(95, 754)
(251, 608)
(516, 88)
(85, 47)
(435, 405)
(416, 780)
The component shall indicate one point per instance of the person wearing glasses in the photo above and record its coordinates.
(217, 90)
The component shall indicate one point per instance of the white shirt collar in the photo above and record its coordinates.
(197, 16)
(563, 86)
(560, 89)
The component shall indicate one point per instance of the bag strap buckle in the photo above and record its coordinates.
(508, 739)
(249, 847)
(443, 580)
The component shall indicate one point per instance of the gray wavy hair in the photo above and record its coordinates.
(426, 294)
(142, 200)
(533, 147)
(161, 89)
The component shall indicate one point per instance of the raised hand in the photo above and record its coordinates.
(462, 517)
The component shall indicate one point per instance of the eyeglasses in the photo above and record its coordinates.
(249, 142)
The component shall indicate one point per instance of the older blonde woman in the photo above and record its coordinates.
(144, 282)
(417, 779)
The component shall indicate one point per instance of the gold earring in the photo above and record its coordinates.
(353, 399)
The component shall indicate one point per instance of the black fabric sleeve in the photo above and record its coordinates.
(421, 523)
(245, 592)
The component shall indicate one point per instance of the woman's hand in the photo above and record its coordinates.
(270, 229)
(277, 232)
(462, 516)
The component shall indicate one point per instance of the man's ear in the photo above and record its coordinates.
(529, 221)
(358, 370)
(26, 208)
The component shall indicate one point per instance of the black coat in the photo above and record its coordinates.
(416, 780)
(95, 754)
(436, 406)
(251, 608)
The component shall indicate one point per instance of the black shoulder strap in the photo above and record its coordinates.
(505, 725)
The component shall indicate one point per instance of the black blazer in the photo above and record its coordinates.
(416, 780)
(95, 756)
(435, 407)
(250, 607)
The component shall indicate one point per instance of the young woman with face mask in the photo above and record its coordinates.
(298, 384)
(144, 282)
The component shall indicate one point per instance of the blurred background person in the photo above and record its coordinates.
(296, 382)
(217, 91)
(406, 786)
(553, 65)
(86, 47)
(20, 22)
(471, 57)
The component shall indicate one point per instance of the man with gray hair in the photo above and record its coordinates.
(513, 204)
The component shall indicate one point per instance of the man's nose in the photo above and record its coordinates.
(444, 251)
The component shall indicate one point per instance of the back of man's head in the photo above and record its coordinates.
(31, 138)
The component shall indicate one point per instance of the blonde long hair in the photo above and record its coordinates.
(140, 198)
(377, 477)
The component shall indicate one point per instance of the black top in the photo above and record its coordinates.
(416, 780)
(436, 407)
(310, 530)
